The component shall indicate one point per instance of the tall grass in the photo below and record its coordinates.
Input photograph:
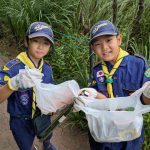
(70, 60)
(141, 47)
(73, 16)
(23, 12)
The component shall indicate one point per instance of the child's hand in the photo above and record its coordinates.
(89, 92)
(23, 79)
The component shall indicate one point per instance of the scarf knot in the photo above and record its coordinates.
(109, 80)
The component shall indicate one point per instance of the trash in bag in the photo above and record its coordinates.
(114, 119)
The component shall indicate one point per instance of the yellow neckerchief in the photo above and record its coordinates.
(108, 75)
(23, 57)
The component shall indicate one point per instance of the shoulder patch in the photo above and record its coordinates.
(10, 64)
(147, 73)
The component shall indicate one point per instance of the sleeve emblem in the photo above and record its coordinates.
(147, 73)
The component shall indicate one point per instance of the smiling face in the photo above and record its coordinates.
(38, 47)
(107, 47)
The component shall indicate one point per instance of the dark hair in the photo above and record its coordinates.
(27, 39)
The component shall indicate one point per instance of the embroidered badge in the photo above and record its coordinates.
(147, 73)
(40, 27)
(24, 98)
(101, 79)
(100, 73)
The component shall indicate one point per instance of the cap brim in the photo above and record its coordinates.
(41, 34)
(103, 33)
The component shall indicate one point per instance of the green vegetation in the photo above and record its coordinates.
(126, 109)
(71, 21)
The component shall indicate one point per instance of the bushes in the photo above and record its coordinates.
(146, 145)
(70, 60)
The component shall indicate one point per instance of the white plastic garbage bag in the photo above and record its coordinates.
(108, 119)
(50, 97)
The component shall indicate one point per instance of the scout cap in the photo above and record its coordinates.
(103, 27)
(37, 29)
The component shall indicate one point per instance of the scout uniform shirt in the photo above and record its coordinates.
(20, 102)
(132, 73)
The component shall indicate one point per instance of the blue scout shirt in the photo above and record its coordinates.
(132, 73)
(20, 102)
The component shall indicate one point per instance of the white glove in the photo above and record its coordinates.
(146, 91)
(78, 102)
(24, 79)
(89, 92)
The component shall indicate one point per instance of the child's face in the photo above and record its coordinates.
(38, 47)
(107, 47)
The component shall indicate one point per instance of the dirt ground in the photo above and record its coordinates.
(64, 137)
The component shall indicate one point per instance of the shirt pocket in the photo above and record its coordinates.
(102, 88)
(129, 87)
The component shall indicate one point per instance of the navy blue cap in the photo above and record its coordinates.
(37, 29)
(103, 27)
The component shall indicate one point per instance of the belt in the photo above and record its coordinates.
(26, 117)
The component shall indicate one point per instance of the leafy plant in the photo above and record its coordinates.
(70, 60)
(146, 145)
(141, 47)
(78, 119)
